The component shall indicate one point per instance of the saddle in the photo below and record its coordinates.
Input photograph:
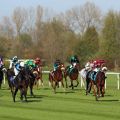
(93, 75)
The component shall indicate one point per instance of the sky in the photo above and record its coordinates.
(7, 6)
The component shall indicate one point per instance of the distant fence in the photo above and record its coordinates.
(83, 83)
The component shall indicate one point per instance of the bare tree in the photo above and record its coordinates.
(19, 18)
(82, 17)
(6, 28)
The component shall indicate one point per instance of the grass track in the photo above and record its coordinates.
(74, 105)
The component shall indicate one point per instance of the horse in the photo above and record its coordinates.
(31, 78)
(2, 71)
(73, 74)
(83, 74)
(38, 73)
(57, 76)
(98, 84)
(20, 82)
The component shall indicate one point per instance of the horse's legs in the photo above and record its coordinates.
(88, 88)
(98, 90)
(63, 85)
(31, 89)
(66, 81)
(54, 87)
(14, 94)
(31, 84)
(102, 89)
(72, 85)
(93, 86)
(25, 94)
(77, 83)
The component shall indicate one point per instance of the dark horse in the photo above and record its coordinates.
(2, 71)
(73, 74)
(20, 82)
(98, 85)
(57, 76)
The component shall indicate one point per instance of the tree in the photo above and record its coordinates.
(19, 18)
(111, 39)
(88, 45)
(80, 18)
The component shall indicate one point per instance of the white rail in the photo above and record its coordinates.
(108, 73)
(83, 82)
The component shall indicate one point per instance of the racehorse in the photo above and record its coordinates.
(83, 73)
(1, 77)
(2, 71)
(38, 76)
(73, 74)
(31, 77)
(57, 76)
(98, 84)
(21, 82)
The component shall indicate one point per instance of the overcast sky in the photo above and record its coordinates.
(7, 6)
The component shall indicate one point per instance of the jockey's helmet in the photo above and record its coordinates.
(22, 64)
(15, 59)
(37, 61)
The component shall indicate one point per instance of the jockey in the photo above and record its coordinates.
(97, 66)
(16, 65)
(38, 63)
(1, 62)
(29, 64)
(74, 60)
(13, 62)
(56, 64)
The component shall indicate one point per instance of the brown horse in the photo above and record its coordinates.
(73, 74)
(38, 73)
(57, 76)
(98, 85)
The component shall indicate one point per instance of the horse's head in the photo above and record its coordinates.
(76, 65)
(62, 67)
(104, 69)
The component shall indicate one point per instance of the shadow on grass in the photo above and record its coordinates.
(65, 92)
(37, 96)
(113, 100)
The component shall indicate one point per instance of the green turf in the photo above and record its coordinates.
(74, 105)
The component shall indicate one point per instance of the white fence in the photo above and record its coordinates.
(83, 83)
(108, 73)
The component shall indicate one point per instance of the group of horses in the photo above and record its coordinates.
(28, 78)
(97, 85)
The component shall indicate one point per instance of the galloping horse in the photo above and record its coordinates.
(31, 77)
(2, 71)
(20, 82)
(1, 77)
(57, 76)
(98, 85)
(73, 74)
(38, 73)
